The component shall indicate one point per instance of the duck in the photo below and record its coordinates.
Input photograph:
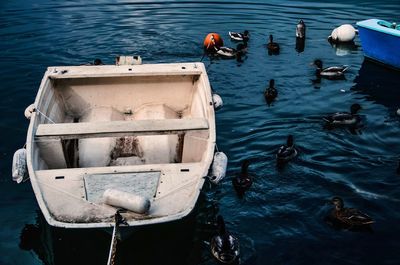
(224, 246)
(288, 151)
(239, 36)
(226, 52)
(344, 118)
(243, 181)
(272, 46)
(333, 72)
(301, 30)
(270, 93)
(349, 216)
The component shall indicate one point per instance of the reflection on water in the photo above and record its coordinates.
(280, 219)
(379, 83)
(300, 44)
(342, 49)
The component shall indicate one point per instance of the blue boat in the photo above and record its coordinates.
(380, 41)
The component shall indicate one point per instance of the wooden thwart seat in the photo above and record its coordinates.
(119, 128)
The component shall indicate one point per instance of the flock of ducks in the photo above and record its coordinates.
(224, 246)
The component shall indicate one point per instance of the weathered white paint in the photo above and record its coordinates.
(166, 118)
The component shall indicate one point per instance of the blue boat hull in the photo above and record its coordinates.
(380, 44)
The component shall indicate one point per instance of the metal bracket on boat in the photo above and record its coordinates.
(128, 60)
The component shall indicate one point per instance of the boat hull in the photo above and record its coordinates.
(380, 43)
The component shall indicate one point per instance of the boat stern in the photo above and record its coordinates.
(380, 41)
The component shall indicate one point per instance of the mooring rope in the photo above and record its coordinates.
(44, 115)
(115, 237)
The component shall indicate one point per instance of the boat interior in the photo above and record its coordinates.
(93, 133)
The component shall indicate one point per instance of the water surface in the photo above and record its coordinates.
(280, 219)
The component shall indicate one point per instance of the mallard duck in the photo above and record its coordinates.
(301, 29)
(345, 118)
(226, 52)
(270, 93)
(243, 181)
(224, 246)
(239, 36)
(333, 72)
(288, 151)
(349, 216)
(272, 46)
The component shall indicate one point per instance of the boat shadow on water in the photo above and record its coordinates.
(169, 243)
(379, 84)
(176, 242)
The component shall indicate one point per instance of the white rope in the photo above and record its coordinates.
(113, 247)
(44, 115)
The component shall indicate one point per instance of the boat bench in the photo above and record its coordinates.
(65, 131)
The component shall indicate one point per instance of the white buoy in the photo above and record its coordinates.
(398, 112)
(129, 201)
(344, 33)
(29, 110)
(217, 101)
(19, 168)
(218, 169)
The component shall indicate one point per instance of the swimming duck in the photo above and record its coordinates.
(272, 46)
(243, 181)
(226, 52)
(270, 93)
(288, 151)
(349, 216)
(333, 72)
(224, 246)
(301, 29)
(239, 36)
(345, 118)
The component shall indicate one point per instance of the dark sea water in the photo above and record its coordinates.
(281, 218)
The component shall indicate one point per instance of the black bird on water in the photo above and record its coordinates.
(224, 246)
(270, 93)
(286, 152)
(349, 218)
(273, 47)
(344, 118)
(243, 181)
(332, 72)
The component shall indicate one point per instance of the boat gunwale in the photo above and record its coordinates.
(372, 24)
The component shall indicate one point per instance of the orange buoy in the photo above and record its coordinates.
(212, 40)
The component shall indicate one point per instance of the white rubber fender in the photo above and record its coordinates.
(129, 201)
(19, 168)
(344, 33)
(217, 101)
(29, 110)
(218, 169)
